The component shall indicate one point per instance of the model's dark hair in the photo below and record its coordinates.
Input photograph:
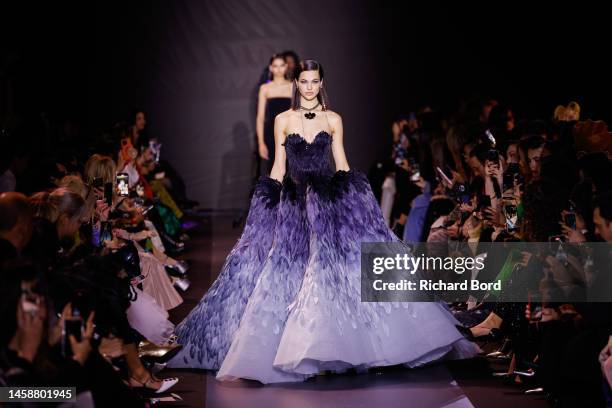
(290, 53)
(276, 56)
(272, 58)
(309, 65)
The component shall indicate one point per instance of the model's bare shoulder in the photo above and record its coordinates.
(286, 114)
(282, 118)
(333, 115)
(263, 89)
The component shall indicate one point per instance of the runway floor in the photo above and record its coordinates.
(450, 385)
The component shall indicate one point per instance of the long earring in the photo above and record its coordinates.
(322, 95)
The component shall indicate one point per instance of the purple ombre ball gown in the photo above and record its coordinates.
(287, 303)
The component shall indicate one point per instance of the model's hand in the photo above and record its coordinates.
(263, 151)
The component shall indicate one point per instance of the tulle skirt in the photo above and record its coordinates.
(294, 278)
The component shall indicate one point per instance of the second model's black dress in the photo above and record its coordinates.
(274, 106)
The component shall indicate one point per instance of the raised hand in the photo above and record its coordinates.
(82, 349)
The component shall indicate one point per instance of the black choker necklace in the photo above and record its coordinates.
(309, 115)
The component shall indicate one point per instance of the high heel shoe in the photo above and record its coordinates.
(491, 335)
(158, 354)
(467, 333)
(503, 352)
(525, 373)
(173, 242)
(535, 391)
(182, 283)
(166, 384)
(180, 267)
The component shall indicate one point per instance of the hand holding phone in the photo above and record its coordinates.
(484, 201)
(73, 326)
(493, 156)
(448, 183)
(81, 347)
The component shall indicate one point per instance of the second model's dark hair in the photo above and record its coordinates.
(309, 65)
(272, 58)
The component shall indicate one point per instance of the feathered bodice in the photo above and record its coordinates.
(308, 161)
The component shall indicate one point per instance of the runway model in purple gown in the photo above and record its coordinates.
(287, 303)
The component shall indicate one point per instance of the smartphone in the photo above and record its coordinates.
(108, 194)
(493, 155)
(513, 168)
(123, 184)
(510, 214)
(97, 183)
(508, 182)
(444, 177)
(484, 201)
(415, 170)
(146, 210)
(155, 147)
(72, 326)
(490, 137)
(570, 220)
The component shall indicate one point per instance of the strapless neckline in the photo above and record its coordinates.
(302, 138)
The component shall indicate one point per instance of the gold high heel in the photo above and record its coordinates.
(158, 353)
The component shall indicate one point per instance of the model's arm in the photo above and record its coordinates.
(259, 120)
(278, 169)
(335, 122)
